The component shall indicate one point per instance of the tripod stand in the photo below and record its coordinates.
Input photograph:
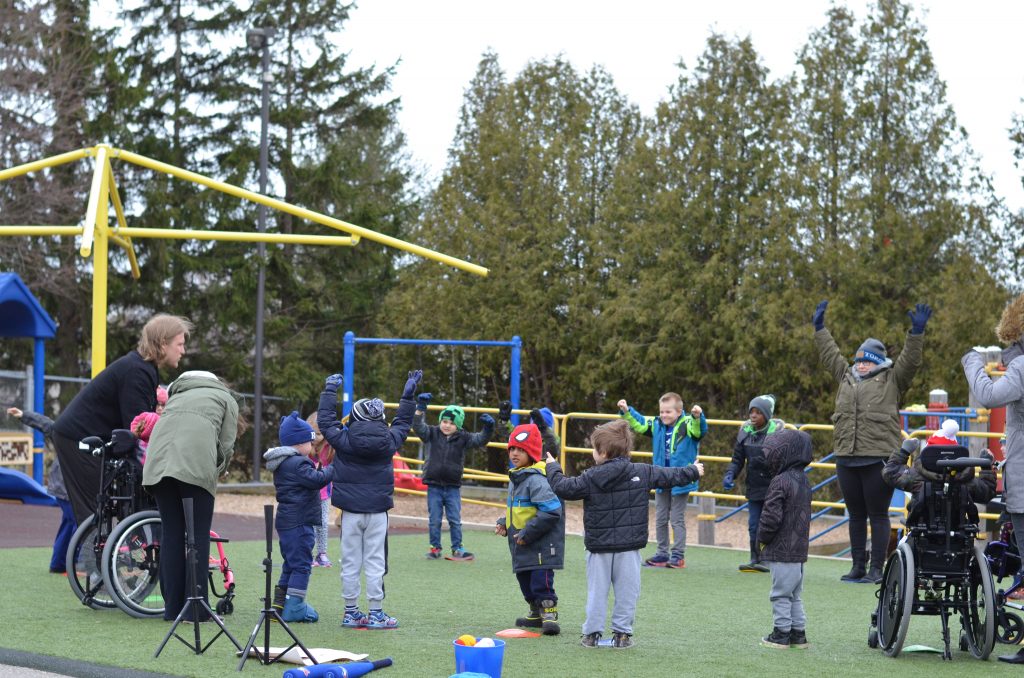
(195, 603)
(269, 613)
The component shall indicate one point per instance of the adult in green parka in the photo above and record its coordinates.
(867, 429)
(188, 451)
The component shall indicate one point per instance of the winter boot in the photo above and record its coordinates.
(280, 593)
(549, 618)
(874, 574)
(755, 562)
(296, 609)
(532, 619)
(856, 572)
(798, 638)
(777, 639)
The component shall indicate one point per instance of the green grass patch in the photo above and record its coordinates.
(705, 620)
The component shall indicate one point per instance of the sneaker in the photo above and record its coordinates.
(378, 620)
(591, 639)
(753, 566)
(798, 638)
(434, 553)
(777, 639)
(354, 619)
(621, 641)
(676, 563)
(656, 561)
(460, 554)
(322, 560)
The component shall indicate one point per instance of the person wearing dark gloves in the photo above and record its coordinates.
(867, 428)
(364, 487)
(444, 449)
(747, 452)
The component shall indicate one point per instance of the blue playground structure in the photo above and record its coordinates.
(349, 362)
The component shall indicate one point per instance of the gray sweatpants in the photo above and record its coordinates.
(617, 571)
(669, 508)
(787, 606)
(362, 548)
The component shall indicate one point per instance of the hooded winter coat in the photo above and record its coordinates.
(364, 476)
(980, 484)
(297, 483)
(686, 434)
(1008, 391)
(195, 437)
(748, 451)
(446, 455)
(866, 418)
(616, 499)
(786, 517)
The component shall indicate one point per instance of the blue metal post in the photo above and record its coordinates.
(349, 372)
(38, 368)
(517, 345)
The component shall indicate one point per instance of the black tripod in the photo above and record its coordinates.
(269, 613)
(194, 603)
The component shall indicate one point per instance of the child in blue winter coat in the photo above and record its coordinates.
(675, 442)
(364, 485)
(297, 482)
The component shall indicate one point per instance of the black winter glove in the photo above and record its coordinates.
(538, 419)
(505, 410)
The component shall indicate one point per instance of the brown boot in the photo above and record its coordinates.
(549, 618)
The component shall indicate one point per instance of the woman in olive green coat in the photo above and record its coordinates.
(867, 429)
(188, 451)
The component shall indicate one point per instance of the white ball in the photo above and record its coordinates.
(485, 642)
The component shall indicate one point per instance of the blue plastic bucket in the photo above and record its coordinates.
(486, 660)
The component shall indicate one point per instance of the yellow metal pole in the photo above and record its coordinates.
(92, 211)
(52, 161)
(238, 236)
(125, 243)
(40, 230)
(300, 212)
(99, 265)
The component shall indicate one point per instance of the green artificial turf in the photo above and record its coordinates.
(705, 620)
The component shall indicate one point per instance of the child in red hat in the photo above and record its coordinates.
(534, 523)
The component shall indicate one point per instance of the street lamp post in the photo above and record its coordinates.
(259, 38)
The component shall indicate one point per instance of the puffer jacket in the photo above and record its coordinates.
(446, 455)
(616, 498)
(980, 485)
(687, 433)
(364, 476)
(748, 452)
(786, 518)
(866, 418)
(1008, 391)
(534, 514)
(195, 437)
(297, 483)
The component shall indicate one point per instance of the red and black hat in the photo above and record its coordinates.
(527, 438)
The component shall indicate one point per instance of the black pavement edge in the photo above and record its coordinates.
(71, 667)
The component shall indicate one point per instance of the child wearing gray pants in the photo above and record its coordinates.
(615, 505)
(782, 534)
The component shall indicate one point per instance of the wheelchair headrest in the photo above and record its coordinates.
(122, 443)
(943, 458)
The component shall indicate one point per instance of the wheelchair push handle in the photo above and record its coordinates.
(93, 445)
(964, 462)
(122, 442)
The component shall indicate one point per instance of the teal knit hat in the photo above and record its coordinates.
(454, 414)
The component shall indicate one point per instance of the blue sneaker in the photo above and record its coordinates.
(354, 619)
(378, 620)
(657, 561)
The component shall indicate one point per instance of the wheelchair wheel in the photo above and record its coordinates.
(84, 572)
(896, 600)
(130, 562)
(979, 620)
(1009, 628)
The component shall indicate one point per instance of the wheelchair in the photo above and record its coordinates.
(938, 568)
(114, 555)
(1004, 561)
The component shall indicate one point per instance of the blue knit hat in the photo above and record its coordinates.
(549, 417)
(871, 351)
(294, 430)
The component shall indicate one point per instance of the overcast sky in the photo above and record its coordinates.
(978, 49)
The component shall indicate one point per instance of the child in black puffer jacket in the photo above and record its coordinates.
(297, 483)
(615, 494)
(783, 533)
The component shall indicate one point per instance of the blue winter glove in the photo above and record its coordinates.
(334, 382)
(819, 316)
(919, 318)
(422, 400)
(410, 384)
(487, 419)
(728, 482)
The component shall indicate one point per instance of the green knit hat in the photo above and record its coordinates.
(454, 414)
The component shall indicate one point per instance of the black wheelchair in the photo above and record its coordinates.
(938, 568)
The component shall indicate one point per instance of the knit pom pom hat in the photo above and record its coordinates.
(527, 438)
(368, 409)
(946, 435)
